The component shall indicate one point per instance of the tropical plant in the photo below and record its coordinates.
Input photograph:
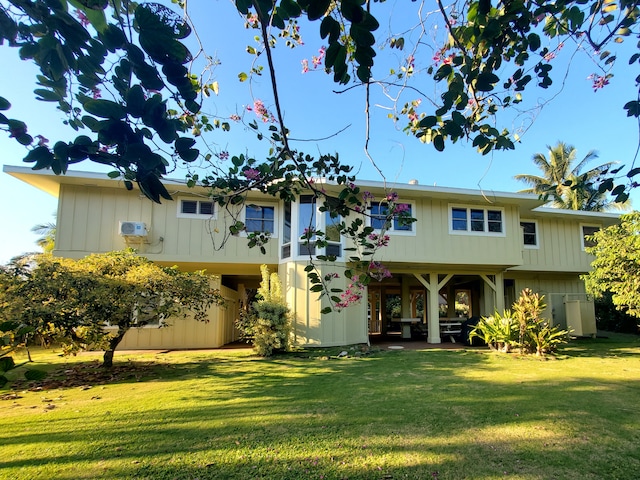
(616, 267)
(499, 331)
(565, 182)
(527, 310)
(93, 302)
(521, 327)
(47, 232)
(267, 323)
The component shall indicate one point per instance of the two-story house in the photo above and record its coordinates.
(469, 253)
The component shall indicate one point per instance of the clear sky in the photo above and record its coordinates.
(577, 115)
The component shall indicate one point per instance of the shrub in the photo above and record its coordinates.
(499, 332)
(521, 327)
(267, 323)
(612, 319)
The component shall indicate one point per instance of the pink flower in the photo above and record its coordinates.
(82, 17)
(95, 92)
(235, 118)
(402, 208)
(224, 155)
(367, 196)
(252, 174)
(392, 197)
(598, 81)
(305, 65)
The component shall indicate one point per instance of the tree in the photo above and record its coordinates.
(47, 232)
(122, 73)
(616, 268)
(94, 301)
(565, 182)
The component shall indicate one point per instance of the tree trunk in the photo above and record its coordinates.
(107, 359)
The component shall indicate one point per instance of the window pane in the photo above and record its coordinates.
(286, 230)
(378, 216)
(495, 221)
(259, 218)
(334, 249)
(331, 228)
(401, 226)
(189, 206)
(528, 233)
(477, 220)
(459, 218)
(206, 208)
(307, 217)
(586, 232)
(306, 249)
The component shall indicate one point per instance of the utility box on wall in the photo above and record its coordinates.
(581, 318)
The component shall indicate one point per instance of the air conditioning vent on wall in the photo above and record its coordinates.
(133, 229)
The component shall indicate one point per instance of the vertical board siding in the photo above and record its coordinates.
(560, 248)
(310, 327)
(188, 332)
(89, 220)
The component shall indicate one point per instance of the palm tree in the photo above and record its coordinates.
(565, 183)
(47, 232)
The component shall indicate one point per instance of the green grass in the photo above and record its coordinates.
(431, 414)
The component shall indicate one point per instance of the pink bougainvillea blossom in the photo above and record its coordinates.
(224, 155)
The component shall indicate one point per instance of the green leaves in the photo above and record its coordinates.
(317, 8)
(486, 81)
(105, 109)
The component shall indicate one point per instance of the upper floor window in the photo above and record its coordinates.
(529, 234)
(259, 218)
(587, 231)
(379, 221)
(476, 220)
(196, 208)
(305, 219)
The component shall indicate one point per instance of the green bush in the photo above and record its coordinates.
(611, 319)
(267, 323)
(499, 332)
(522, 328)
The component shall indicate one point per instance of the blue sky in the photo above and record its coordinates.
(577, 115)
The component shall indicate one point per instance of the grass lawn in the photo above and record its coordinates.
(427, 414)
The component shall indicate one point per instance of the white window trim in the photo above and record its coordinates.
(391, 231)
(582, 225)
(468, 231)
(196, 215)
(295, 241)
(537, 245)
(276, 224)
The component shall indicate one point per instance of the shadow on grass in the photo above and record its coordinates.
(405, 414)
